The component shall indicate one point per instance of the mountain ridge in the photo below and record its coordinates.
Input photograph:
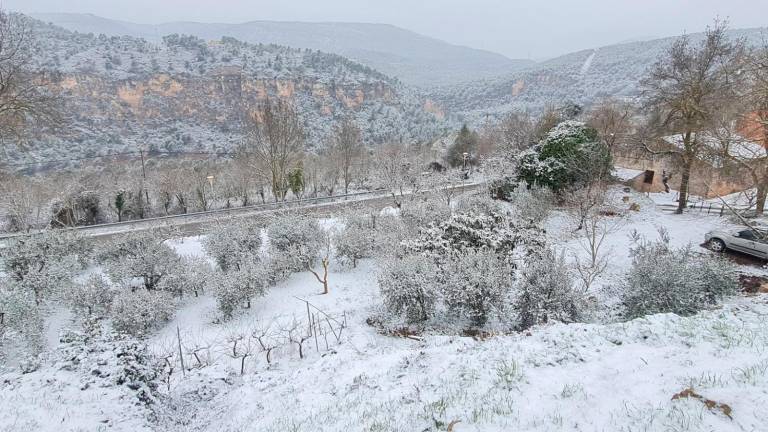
(184, 94)
(414, 58)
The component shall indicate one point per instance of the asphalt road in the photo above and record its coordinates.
(196, 223)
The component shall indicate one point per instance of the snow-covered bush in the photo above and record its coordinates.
(545, 292)
(236, 288)
(408, 287)
(389, 232)
(571, 154)
(139, 312)
(474, 231)
(137, 370)
(20, 314)
(355, 241)
(91, 296)
(664, 279)
(479, 203)
(476, 285)
(140, 256)
(229, 244)
(531, 204)
(422, 212)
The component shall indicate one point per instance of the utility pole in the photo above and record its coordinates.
(144, 175)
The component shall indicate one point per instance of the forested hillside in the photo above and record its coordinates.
(186, 94)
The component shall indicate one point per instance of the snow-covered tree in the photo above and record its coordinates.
(298, 237)
(664, 279)
(42, 262)
(140, 255)
(20, 314)
(230, 243)
(476, 285)
(355, 241)
(545, 292)
(236, 288)
(194, 276)
(139, 312)
(570, 155)
(408, 287)
(90, 296)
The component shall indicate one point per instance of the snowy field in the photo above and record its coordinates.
(577, 377)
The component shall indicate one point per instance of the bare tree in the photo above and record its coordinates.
(24, 97)
(750, 119)
(26, 200)
(325, 251)
(518, 132)
(399, 171)
(347, 150)
(597, 225)
(684, 90)
(612, 120)
(274, 145)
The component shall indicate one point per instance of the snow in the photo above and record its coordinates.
(591, 376)
(626, 173)
(587, 63)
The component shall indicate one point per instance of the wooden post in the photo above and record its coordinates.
(314, 331)
(181, 354)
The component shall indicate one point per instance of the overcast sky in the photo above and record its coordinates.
(516, 28)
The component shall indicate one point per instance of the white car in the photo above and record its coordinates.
(741, 240)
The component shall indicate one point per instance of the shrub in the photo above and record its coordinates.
(408, 287)
(476, 285)
(424, 212)
(545, 292)
(139, 312)
(388, 233)
(473, 231)
(532, 204)
(680, 281)
(481, 204)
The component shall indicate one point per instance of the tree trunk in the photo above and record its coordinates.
(762, 191)
(685, 179)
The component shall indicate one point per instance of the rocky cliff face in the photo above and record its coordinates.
(186, 94)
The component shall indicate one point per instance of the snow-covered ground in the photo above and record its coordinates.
(579, 377)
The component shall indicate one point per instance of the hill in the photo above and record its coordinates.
(411, 57)
(581, 77)
(186, 94)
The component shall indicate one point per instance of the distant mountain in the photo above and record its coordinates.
(411, 57)
(186, 94)
(581, 77)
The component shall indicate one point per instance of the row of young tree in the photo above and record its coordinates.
(271, 166)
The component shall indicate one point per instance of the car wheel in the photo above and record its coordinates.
(716, 245)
